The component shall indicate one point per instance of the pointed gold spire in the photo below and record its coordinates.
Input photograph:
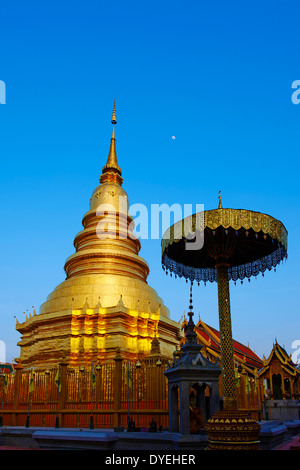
(112, 166)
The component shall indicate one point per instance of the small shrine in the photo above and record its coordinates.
(281, 379)
(281, 374)
(196, 379)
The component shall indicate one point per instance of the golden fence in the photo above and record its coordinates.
(101, 396)
(250, 394)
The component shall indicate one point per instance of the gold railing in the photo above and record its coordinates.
(100, 396)
(104, 395)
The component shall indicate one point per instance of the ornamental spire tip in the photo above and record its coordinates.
(114, 117)
(112, 167)
(220, 201)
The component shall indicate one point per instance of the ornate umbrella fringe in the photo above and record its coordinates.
(234, 273)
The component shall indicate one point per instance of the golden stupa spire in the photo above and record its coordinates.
(112, 166)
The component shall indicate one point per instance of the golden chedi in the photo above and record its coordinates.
(105, 302)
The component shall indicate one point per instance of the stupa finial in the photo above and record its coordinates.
(112, 166)
(114, 117)
(220, 201)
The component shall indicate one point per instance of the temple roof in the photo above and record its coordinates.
(243, 355)
(6, 368)
(286, 362)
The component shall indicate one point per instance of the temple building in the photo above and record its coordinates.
(105, 302)
(244, 357)
(281, 374)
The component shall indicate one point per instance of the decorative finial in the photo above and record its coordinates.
(220, 202)
(111, 172)
(191, 313)
(114, 117)
(190, 333)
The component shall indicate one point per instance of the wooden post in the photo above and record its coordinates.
(258, 394)
(282, 386)
(271, 382)
(243, 389)
(63, 392)
(117, 387)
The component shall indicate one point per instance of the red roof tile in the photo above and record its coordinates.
(241, 351)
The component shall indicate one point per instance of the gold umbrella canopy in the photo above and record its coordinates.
(248, 242)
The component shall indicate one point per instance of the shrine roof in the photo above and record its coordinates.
(243, 354)
(6, 368)
(286, 361)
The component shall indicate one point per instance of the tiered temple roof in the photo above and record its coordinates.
(278, 353)
(244, 357)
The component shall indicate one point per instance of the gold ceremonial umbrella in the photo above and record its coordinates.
(222, 245)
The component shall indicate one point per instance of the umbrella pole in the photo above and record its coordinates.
(228, 376)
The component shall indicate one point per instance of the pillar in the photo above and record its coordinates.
(117, 387)
(173, 408)
(214, 398)
(229, 429)
(228, 382)
(63, 391)
(184, 408)
(17, 385)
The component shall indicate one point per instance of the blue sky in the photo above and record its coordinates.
(217, 76)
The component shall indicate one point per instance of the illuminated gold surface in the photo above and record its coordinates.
(105, 301)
